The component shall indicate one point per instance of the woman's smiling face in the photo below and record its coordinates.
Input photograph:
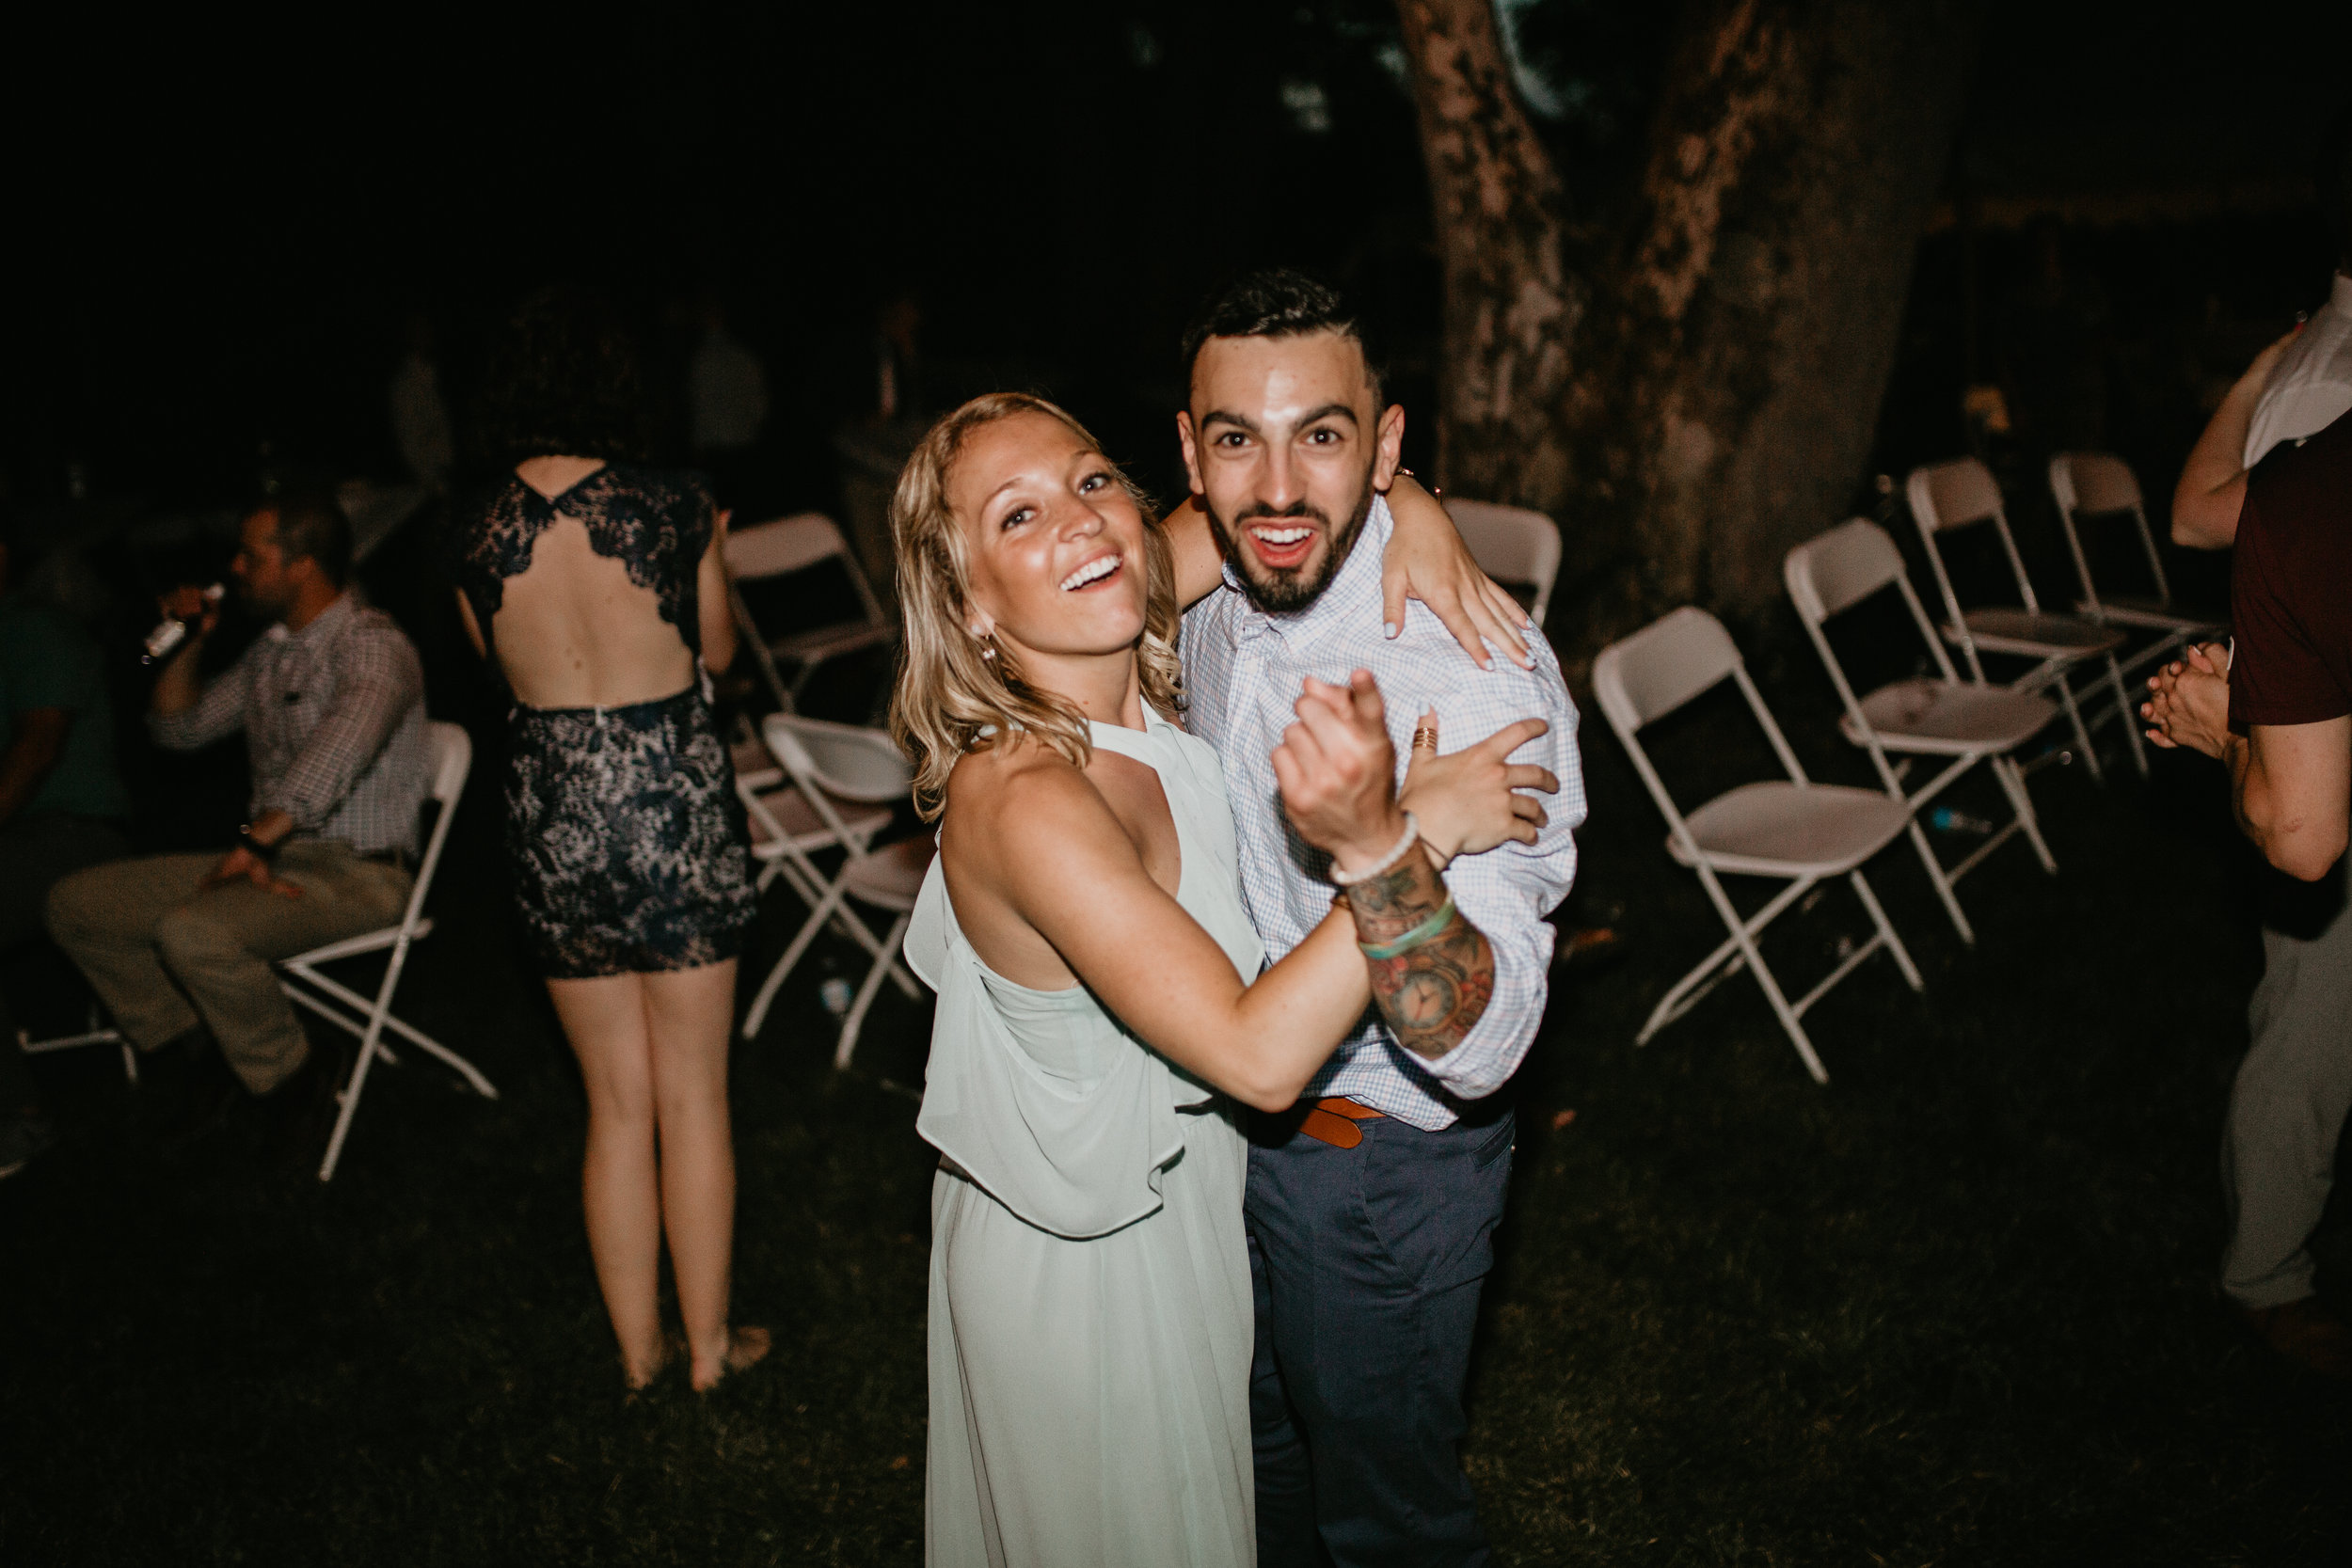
(1053, 545)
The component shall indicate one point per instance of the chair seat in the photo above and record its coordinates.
(1779, 829)
(1949, 718)
(2036, 634)
(2153, 615)
(890, 877)
(824, 642)
(352, 947)
(800, 822)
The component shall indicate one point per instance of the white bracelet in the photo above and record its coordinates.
(1388, 861)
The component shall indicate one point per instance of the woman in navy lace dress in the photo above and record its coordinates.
(598, 583)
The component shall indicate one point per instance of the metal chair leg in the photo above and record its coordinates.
(2082, 731)
(2014, 785)
(2127, 716)
(1895, 947)
(866, 992)
(1943, 883)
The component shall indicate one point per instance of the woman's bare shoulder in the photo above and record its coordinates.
(1005, 780)
(1007, 804)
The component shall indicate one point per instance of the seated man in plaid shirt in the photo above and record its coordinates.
(1371, 1206)
(331, 700)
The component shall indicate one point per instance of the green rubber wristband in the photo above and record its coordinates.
(1414, 938)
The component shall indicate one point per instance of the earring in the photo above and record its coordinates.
(988, 652)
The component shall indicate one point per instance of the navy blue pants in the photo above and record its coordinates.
(1367, 1264)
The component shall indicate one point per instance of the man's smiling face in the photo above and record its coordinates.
(1285, 446)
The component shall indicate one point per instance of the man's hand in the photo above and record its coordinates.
(193, 605)
(1337, 770)
(2190, 705)
(1427, 561)
(176, 688)
(1468, 801)
(243, 865)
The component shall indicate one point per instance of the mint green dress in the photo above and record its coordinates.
(1089, 1325)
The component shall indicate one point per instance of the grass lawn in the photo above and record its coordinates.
(1956, 1307)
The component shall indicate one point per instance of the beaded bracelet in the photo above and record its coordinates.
(1388, 861)
(1426, 931)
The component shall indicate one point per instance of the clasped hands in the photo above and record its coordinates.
(242, 864)
(1337, 769)
(2190, 701)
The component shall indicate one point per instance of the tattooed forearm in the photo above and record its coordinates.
(1433, 994)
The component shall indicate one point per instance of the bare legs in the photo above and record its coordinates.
(652, 1052)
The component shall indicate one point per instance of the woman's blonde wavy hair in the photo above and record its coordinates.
(950, 700)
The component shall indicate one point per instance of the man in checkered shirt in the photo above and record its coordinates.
(331, 700)
(1369, 1213)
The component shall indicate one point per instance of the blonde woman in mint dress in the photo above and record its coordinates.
(1101, 1005)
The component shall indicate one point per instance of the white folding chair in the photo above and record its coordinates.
(1511, 544)
(829, 765)
(1965, 721)
(97, 1033)
(779, 548)
(788, 827)
(452, 757)
(1947, 496)
(1798, 831)
(2100, 484)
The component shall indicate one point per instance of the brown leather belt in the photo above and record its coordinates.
(1333, 1121)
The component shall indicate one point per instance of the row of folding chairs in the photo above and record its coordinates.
(1803, 834)
(1948, 498)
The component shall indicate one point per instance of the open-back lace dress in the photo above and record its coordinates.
(627, 843)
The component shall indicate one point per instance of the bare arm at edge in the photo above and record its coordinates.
(2212, 491)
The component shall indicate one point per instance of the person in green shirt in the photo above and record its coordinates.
(62, 804)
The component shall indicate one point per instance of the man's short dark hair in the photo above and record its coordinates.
(1275, 302)
(312, 526)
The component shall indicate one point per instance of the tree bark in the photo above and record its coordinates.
(1510, 310)
(1712, 386)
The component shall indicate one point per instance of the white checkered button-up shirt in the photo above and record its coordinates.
(334, 724)
(1242, 674)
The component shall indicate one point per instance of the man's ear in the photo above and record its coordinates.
(1391, 449)
(1192, 452)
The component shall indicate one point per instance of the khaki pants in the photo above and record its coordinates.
(165, 953)
(2287, 1110)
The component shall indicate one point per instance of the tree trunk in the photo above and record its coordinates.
(1511, 310)
(1714, 401)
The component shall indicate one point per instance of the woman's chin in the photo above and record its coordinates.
(1090, 642)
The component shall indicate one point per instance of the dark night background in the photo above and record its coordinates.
(220, 237)
(1957, 1307)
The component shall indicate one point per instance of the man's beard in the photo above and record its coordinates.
(1291, 588)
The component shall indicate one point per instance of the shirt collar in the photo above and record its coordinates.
(1352, 596)
(2340, 294)
(319, 626)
